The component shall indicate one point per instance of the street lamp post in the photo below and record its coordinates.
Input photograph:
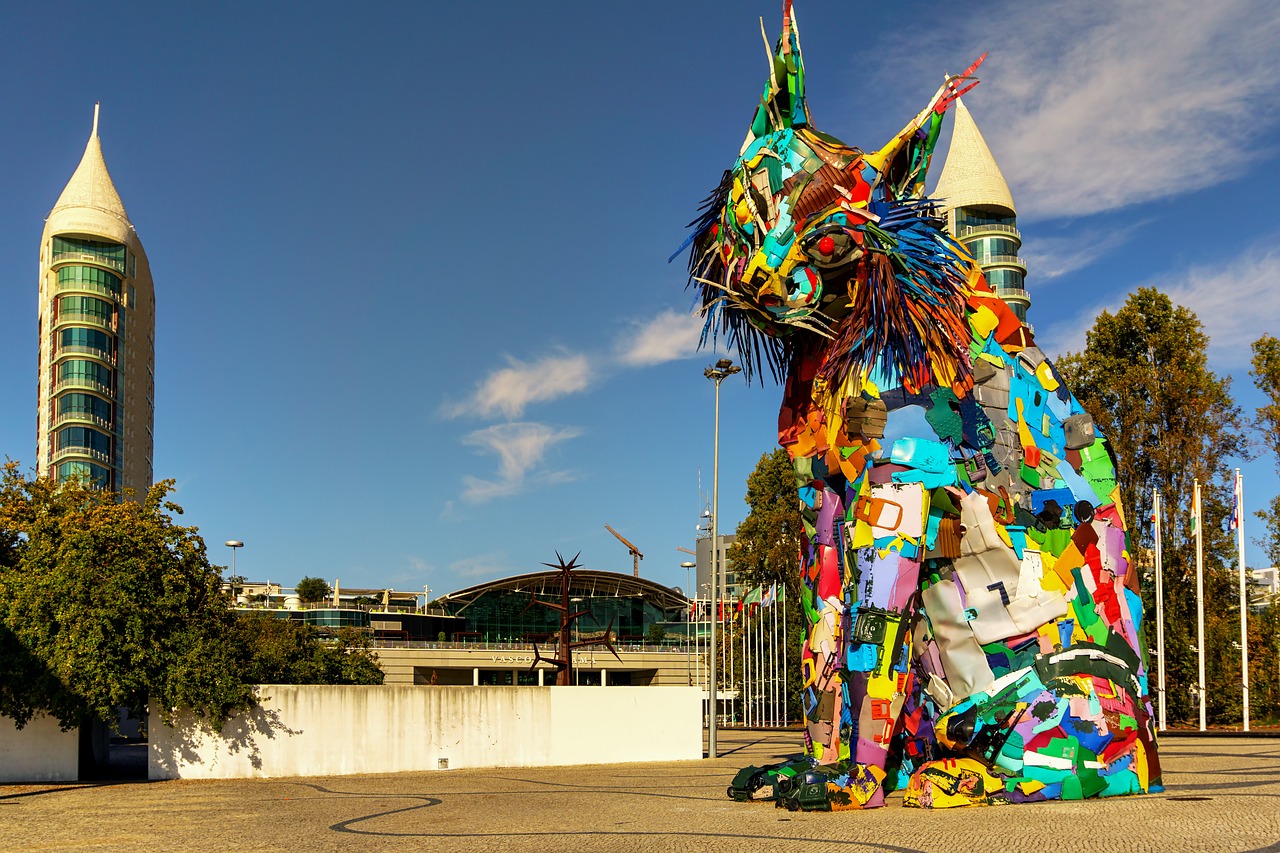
(234, 545)
(688, 652)
(717, 373)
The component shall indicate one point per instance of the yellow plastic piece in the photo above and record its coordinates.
(983, 322)
(1140, 765)
(1046, 377)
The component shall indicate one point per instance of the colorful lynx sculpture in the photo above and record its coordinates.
(974, 626)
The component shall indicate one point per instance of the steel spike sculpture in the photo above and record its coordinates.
(563, 661)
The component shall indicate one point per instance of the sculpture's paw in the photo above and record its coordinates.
(951, 782)
(832, 788)
(761, 783)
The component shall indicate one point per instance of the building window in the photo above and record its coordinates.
(87, 371)
(96, 475)
(967, 217)
(89, 305)
(94, 339)
(1005, 281)
(985, 248)
(85, 437)
(94, 278)
(108, 254)
(85, 404)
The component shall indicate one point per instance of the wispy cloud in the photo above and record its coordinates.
(1237, 301)
(508, 390)
(1049, 257)
(667, 337)
(490, 565)
(521, 449)
(1098, 105)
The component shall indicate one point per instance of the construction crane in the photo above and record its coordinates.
(636, 556)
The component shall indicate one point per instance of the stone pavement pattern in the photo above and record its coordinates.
(1223, 794)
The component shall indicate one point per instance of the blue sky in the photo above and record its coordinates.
(415, 320)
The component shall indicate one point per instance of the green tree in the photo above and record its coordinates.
(656, 635)
(1144, 377)
(283, 651)
(311, 590)
(766, 550)
(1264, 625)
(1266, 376)
(107, 603)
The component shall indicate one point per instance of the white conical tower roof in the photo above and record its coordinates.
(91, 186)
(970, 176)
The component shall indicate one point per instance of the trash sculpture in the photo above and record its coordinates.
(975, 632)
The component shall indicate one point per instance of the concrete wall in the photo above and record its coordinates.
(40, 752)
(316, 731)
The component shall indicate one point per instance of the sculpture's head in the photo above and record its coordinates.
(809, 241)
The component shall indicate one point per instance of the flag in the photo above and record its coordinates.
(770, 597)
(1233, 521)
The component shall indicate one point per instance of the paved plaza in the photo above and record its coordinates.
(1223, 794)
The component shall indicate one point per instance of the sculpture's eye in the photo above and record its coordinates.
(830, 246)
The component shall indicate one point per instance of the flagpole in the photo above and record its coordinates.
(1238, 518)
(746, 675)
(785, 655)
(1200, 601)
(1160, 697)
(773, 653)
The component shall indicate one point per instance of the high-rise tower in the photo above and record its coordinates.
(980, 212)
(97, 336)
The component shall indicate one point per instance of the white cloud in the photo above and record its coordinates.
(521, 449)
(1099, 105)
(667, 337)
(490, 565)
(1050, 257)
(508, 390)
(1236, 301)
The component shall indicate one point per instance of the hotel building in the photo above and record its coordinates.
(980, 212)
(97, 336)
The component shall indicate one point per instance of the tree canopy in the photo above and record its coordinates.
(283, 651)
(1266, 376)
(766, 550)
(1144, 377)
(767, 544)
(107, 604)
(311, 590)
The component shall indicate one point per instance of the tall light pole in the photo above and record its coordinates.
(688, 652)
(234, 545)
(717, 373)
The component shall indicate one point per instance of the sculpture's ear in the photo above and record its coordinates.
(904, 162)
(782, 105)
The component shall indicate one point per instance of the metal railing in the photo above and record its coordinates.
(110, 263)
(82, 418)
(88, 287)
(76, 349)
(970, 230)
(521, 647)
(96, 455)
(86, 319)
(81, 382)
(1012, 260)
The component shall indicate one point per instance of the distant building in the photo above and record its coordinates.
(703, 557)
(980, 212)
(485, 634)
(1263, 587)
(97, 336)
